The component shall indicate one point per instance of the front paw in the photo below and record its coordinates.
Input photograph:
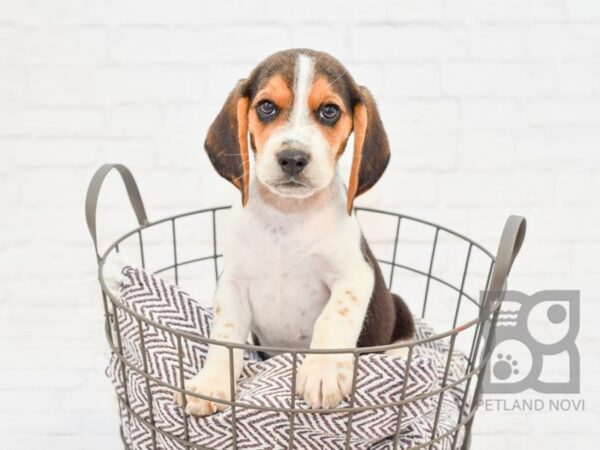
(324, 380)
(210, 383)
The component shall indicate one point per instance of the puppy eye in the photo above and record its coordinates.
(329, 113)
(266, 110)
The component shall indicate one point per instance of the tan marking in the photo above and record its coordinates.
(360, 129)
(277, 91)
(343, 311)
(350, 294)
(228, 325)
(322, 93)
(217, 310)
(242, 118)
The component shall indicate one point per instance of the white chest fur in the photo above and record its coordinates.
(285, 262)
(295, 277)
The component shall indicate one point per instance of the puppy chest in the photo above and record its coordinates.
(282, 261)
(285, 304)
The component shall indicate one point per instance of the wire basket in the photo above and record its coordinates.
(444, 276)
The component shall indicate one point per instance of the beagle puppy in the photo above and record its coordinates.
(297, 271)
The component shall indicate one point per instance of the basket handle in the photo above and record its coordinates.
(508, 249)
(91, 199)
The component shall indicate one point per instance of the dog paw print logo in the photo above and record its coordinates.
(534, 345)
(505, 367)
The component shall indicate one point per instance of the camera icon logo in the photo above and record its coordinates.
(534, 345)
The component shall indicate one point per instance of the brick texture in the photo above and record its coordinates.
(492, 108)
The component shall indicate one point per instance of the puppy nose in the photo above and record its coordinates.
(292, 162)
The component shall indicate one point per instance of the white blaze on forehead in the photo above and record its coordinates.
(300, 132)
(303, 80)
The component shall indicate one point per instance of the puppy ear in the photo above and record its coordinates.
(227, 140)
(371, 147)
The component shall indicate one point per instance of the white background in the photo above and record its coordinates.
(492, 108)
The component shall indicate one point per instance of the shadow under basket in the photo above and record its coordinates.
(427, 398)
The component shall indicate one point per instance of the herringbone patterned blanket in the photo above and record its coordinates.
(267, 383)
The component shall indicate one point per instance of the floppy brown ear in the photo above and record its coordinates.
(227, 141)
(371, 147)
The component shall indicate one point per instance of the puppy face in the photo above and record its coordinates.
(298, 108)
(299, 131)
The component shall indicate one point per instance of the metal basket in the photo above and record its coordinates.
(479, 329)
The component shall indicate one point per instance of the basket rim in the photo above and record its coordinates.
(356, 351)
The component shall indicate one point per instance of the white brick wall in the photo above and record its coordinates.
(492, 108)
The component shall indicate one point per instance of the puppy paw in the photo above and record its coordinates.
(323, 381)
(211, 384)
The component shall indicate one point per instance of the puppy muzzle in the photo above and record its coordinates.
(292, 161)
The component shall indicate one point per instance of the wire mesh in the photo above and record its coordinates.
(475, 325)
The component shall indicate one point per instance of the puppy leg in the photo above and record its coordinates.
(404, 329)
(231, 323)
(324, 380)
